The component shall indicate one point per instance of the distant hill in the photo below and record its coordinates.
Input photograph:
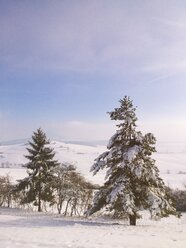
(170, 158)
(13, 142)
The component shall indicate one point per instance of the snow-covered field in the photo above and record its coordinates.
(170, 159)
(21, 229)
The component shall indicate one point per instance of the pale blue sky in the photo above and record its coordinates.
(64, 64)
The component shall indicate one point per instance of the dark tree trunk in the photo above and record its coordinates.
(132, 219)
(39, 198)
(59, 206)
(9, 199)
(39, 205)
(67, 206)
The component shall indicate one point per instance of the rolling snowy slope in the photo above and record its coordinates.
(170, 159)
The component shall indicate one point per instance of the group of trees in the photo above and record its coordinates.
(50, 183)
(132, 179)
(72, 189)
(71, 193)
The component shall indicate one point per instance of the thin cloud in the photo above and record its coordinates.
(168, 67)
(160, 78)
(171, 23)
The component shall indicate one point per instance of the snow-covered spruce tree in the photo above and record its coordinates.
(132, 179)
(37, 187)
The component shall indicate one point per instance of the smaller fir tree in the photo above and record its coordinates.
(132, 178)
(37, 187)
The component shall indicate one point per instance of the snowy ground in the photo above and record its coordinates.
(21, 229)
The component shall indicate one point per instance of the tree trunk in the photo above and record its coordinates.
(67, 206)
(39, 205)
(73, 210)
(39, 198)
(9, 199)
(59, 206)
(132, 219)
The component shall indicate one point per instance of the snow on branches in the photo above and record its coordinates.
(132, 179)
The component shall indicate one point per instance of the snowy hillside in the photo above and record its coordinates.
(12, 158)
(170, 159)
(20, 229)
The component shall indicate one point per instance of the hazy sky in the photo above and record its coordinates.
(64, 64)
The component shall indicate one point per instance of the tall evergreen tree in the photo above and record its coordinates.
(37, 187)
(132, 179)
